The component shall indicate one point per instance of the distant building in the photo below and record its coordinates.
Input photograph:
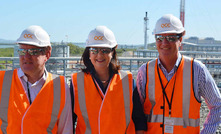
(195, 44)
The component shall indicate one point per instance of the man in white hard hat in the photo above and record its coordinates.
(171, 86)
(32, 100)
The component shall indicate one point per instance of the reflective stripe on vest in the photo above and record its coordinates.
(5, 99)
(186, 93)
(151, 84)
(82, 101)
(56, 102)
(177, 121)
(126, 92)
(185, 121)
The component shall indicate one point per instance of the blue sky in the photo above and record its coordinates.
(72, 20)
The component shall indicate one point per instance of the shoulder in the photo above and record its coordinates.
(2, 73)
(198, 63)
(142, 72)
(143, 67)
(199, 66)
(74, 75)
(124, 72)
(9, 73)
(55, 76)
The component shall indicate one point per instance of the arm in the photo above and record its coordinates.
(72, 103)
(141, 82)
(208, 89)
(65, 125)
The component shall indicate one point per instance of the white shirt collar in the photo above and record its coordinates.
(22, 75)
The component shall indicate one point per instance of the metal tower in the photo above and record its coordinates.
(182, 11)
(182, 16)
(146, 21)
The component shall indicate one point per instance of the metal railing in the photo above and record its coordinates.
(67, 65)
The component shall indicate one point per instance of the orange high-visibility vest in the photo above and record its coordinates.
(103, 114)
(17, 116)
(185, 109)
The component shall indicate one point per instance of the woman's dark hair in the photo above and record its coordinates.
(113, 66)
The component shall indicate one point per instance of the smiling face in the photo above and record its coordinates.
(33, 64)
(168, 49)
(101, 58)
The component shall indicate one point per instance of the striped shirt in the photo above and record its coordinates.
(204, 86)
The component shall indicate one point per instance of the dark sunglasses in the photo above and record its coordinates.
(32, 51)
(95, 50)
(170, 38)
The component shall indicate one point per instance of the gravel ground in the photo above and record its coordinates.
(203, 113)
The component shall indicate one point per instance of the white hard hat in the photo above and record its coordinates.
(101, 36)
(168, 24)
(34, 35)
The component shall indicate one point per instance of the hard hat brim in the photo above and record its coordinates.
(33, 43)
(101, 45)
(165, 32)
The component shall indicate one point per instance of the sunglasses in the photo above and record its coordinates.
(103, 50)
(170, 38)
(32, 51)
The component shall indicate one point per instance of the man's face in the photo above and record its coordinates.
(168, 46)
(32, 59)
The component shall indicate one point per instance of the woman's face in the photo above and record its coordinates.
(100, 57)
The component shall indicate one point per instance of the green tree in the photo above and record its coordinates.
(7, 52)
(75, 50)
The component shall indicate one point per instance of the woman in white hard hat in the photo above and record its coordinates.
(172, 85)
(102, 92)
